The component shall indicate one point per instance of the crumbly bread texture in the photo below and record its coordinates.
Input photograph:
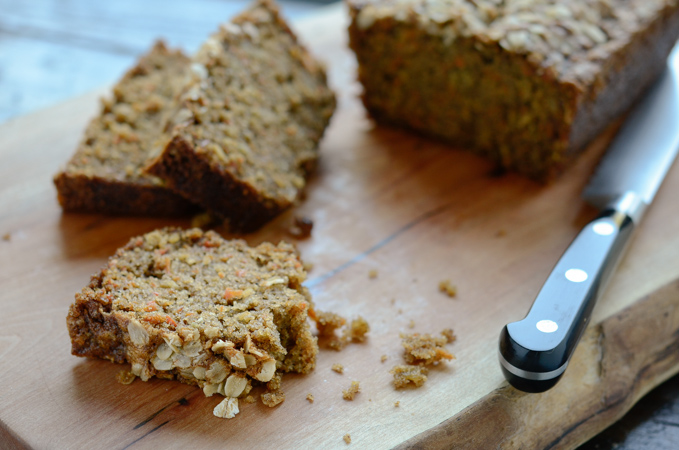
(354, 389)
(247, 129)
(424, 348)
(419, 351)
(327, 323)
(106, 172)
(526, 83)
(191, 306)
(407, 375)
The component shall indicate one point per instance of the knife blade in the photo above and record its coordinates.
(534, 352)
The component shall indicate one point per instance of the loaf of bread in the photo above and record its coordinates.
(527, 83)
(246, 132)
(191, 306)
(106, 172)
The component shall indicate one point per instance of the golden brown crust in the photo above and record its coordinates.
(196, 177)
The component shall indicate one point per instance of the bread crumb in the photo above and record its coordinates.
(397, 404)
(203, 220)
(328, 322)
(125, 377)
(310, 397)
(501, 233)
(411, 324)
(249, 399)
(301, 228)
(6, 237)
(372, 274)
(347, 438)
(448, 288)
(424, 348)
(392, 301)
(405, 375)
(358, 328)
(350, 393)
(272, 399)
(339, 368)
(383, 358)
(449, 335)
(275, 383)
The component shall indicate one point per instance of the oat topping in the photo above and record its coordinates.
(192, 306)
(227, 408)
(551, 32)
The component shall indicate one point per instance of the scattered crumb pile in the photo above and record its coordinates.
(328, 322)
(420, 351)
(350, 393)
(448, 288)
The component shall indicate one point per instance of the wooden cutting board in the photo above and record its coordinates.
(415, 211)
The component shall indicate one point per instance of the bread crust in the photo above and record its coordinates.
(247, 129)
(196, 177)
(81, 193)
(527, 88)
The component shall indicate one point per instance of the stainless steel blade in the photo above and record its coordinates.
(645, 147)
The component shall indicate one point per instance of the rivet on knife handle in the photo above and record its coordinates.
(535, 351)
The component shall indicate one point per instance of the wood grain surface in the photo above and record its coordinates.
(414, 210)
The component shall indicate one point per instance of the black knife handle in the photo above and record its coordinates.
(535, 351)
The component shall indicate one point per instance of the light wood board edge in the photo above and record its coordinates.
(618, 361)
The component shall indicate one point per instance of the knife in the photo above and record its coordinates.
(535, 351)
